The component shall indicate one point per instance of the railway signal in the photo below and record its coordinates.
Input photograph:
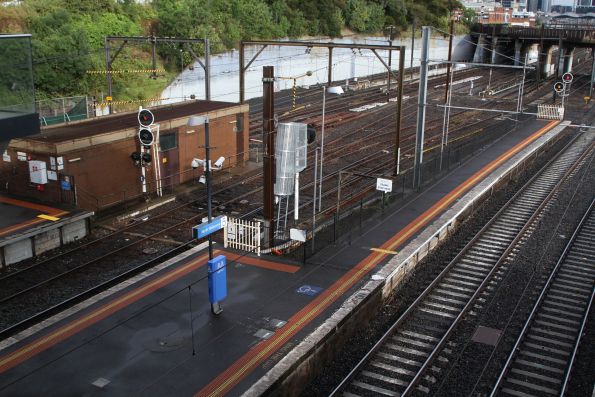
(141, 159)
(146, 137)
(559, 87)
(145, 117)
(567, 77)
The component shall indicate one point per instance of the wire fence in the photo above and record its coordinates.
(363, 211)
(62, 110)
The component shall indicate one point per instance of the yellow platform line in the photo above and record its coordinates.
(48, 217)
(384, 251)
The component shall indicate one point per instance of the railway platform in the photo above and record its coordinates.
(155, 335)
(28, 229)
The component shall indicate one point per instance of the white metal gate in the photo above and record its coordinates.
(550, 112)
(243, 235)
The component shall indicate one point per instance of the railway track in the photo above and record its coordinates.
(167, 227)
(541, 360)
(407, 358)
(141, 242)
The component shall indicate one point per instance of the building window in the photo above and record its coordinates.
(168, 142)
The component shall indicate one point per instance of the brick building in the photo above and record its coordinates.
(88, 164)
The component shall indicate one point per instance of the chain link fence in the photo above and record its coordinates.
(363, 211)
(62, 110)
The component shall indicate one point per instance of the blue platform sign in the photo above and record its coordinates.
(217, 279)
(204, 229)
(65, 185)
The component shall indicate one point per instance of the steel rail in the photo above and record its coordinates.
(30, 321)
(405, 316)
(537, 305)
(520, 235)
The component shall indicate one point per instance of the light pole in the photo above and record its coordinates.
(331, 90)
(195, 121)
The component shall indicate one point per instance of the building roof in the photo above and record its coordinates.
(122, 121)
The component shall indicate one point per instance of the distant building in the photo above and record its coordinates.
(507, 16)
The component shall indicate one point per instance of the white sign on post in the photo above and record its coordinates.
(384, 185)
(297, 234)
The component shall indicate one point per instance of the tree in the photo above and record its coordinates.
(363, 16)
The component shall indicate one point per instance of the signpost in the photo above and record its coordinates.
(384, 185)
(298, 235)
(217, 265)
(204, 229)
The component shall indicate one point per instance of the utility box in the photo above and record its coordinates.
(217, 279)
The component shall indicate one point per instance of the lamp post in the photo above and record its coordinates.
(195, 121)
(331, 90)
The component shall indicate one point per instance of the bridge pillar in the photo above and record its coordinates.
(548, 54)
(493, 57)
(500, 51)
(480, 50)
(518, 46)
(565, 53)
(568, 57)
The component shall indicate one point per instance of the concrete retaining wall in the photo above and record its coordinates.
(74, 231)
(18, 251)
(38, 240)
(46, 241)
(290, 375)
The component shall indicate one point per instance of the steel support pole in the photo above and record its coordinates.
(399, 110)
(412, 47)
(391, 37)
(215, 306)
(242, 72)
(390, 58)
(540, 57)
(522, 87)
(421, 108)
(108, 75)
(451, 34)
(207, 70)
(338, 197)
(330, 66)
(592, 73)
(321, 149)
(208, 180)
(296, 204)
(314, 195)
(154, 56)
(268, 139)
